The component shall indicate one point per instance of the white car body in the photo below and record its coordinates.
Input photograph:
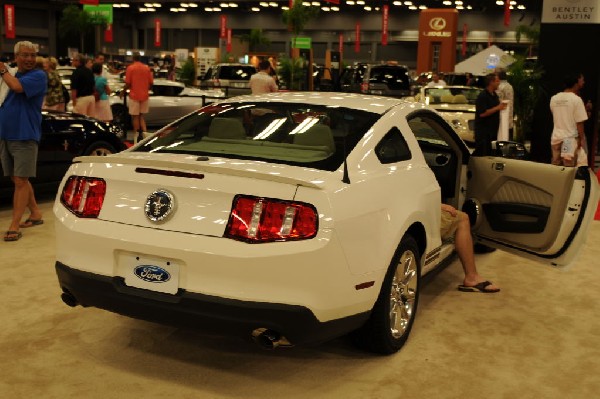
(370, 219)
(168, 101)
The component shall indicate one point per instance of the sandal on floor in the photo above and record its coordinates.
(481, 287)
(31, 223)
(12, 235)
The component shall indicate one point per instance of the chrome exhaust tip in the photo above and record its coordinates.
(269, 339)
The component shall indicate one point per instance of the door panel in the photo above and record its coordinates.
(531, 208)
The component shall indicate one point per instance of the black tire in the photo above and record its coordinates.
(121, 116)
(383, 332)
(100, 148)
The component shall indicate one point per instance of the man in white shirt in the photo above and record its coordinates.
(568, 114)
(261, 82)
(436, 81)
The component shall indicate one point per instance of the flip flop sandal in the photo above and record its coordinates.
(481, 287)
(31, 223)
(12, 235)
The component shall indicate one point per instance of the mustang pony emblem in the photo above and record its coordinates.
(159, 205)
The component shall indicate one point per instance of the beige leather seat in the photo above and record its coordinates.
(317, 135)
(227, 128)
(447, 98)
(460, 99)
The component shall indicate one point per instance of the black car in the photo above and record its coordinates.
(380, 79)
(66, 135)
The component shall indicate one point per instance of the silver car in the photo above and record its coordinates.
(168, 102)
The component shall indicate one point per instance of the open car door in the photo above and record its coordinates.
(535, 210)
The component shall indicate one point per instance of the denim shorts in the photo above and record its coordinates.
(19, 158)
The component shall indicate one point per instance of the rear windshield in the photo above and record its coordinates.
(288, 133)
(236, 72)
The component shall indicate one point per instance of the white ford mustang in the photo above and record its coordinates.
(298, 217)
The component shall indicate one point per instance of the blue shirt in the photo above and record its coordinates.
(21, 113)
(101, 83)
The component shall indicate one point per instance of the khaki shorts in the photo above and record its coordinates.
(449, 224)
(137, 107)
(19, 158)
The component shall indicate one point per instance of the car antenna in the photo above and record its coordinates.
(346, 177)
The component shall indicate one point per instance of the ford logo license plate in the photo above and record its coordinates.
(152, 274)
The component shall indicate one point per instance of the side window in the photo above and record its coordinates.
(392, 148)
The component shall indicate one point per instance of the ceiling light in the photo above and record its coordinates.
(264, 4)
(350, 2)
(217, 9)
(285, 8)
(233, 5)
(157, 5)
(224, 5)
(412, 7)
(193, 5)
(148, 5)
(173, 9)
(499, 2)
(367, 8)
(124, 5)
(306, 3)
(408, 3)
(181, 9)
(209, 9)
(397, 3)
(273, 4)
(255, 9)
(183, 5)
(422, 7)
(316, 3)
(335, 8)
(325, 8)
(360, 2)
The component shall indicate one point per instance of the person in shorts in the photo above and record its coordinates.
(455, 224)
(20, 133)
(139, 80)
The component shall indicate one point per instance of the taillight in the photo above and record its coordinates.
(216, 83)
(256, 220)
(83, 196)
(364, 87)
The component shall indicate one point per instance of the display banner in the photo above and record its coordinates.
(506, 12)
(463, 50)
(357, 38)
(9, 21)
(341, 43)
(571, 12)
(90, 2)
(102, 11)
(228, 48)
(384, 24)
(332, 1)
(108, 33)
(223, 29)
(156, 32)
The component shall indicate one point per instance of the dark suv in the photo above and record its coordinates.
(379, 79)
(233, 78)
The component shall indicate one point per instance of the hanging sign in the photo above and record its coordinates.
(384, 24)
(223, 30)
(108, 33)
(156, 32)
(229, 40)
(9, 21)
(506, 12)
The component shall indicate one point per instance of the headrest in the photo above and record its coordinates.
(447, 98)
(317, 134)
(226, 128)
(460, 99)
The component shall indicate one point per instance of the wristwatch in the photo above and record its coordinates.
(3, 71)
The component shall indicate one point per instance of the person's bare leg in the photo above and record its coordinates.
(34, 210)
(463, 243)
(143, 123)
(135, 120)
(20, 201)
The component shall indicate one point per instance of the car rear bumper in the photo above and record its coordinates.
(297, 323)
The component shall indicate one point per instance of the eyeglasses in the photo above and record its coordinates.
(28, 55)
